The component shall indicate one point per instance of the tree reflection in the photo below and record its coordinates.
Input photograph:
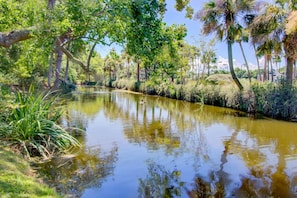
(167, 184)
(70, 175)
(160, 183)
(87, 104)
(264, 148)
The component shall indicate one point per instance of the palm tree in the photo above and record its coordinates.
(221, 17)
(291, 25)
(268, 48)
(127, 61)
(271, 24)
(242, 36)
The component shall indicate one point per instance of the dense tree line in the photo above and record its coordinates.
(50, 38)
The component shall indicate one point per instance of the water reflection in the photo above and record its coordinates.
(203, 150)
(160, 182)
(72, 174)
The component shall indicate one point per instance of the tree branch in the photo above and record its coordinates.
(8, 39)
(73, 59)
(70, 56)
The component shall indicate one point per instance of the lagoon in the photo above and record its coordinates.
(138, 145)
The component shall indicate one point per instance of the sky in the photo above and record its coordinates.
(194, 28)
(172, 16)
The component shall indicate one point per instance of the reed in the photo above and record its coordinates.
(276, 100)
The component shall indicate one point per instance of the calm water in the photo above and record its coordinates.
(145, 146)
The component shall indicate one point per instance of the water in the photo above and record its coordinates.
(147, 146)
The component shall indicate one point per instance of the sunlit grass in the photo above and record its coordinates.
(276, 100)
(17, 178)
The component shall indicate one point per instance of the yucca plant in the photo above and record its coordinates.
(32, 125)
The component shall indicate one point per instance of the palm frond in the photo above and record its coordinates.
(291, 25)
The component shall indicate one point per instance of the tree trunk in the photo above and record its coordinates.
(258, 64)
(51, 4)
(294, 72)
(246, 63)
(89, 59)
(66, 70)
(289, 70)
(58, 44)
(230, 60)
(265, 68)
(290, 56)
(50, 70)
(271, 70)
(268, 70)
(58, 68)
(138, 72)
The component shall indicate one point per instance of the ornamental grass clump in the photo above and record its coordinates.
(31, 126)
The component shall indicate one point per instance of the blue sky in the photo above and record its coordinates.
(194, 31)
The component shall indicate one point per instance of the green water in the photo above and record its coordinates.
(147, 146)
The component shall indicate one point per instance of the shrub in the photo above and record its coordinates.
(276, 100)
(31, 126)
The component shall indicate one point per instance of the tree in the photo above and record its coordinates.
(144, 38)
(271, 24)
(242, 36)
(62, 23)
(110, 64)
(208, 54)
(169, 60)
(221, 17)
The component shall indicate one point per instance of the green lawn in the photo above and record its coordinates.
(17, 178)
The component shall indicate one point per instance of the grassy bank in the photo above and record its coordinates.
(270, 99)
(17, 179)
(29, 126)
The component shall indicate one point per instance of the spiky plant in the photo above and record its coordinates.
(32, 125)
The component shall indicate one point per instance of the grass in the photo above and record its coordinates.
(17, 179)
(275, 100)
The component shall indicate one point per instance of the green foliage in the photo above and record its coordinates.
(148, 87)
(219, 79)
(277, 101)
(125, 84)
(21, 13)
(144, 37)
(32, 125)
(270, 99)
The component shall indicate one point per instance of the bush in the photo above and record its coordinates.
(276, 100)
(31, 125)
(270, 99)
